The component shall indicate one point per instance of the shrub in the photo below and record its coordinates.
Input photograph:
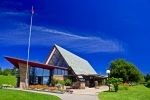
(116, 87)
(54, 81)
(147, 77)
(62, 82)
(68, 82)
(59, 86)
(147, 84)
(115, 82)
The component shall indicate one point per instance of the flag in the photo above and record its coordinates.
(32, 10)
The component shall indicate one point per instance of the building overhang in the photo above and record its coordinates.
(16, 61)
(93, 75)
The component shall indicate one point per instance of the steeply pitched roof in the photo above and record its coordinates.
(78, 64)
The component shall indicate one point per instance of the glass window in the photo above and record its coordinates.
(45, 80)
(55, 71)
(63, 72)
(46, 72)
(39, 76)
(66, 72)
(39, 71)
(59, 72)
(57, 60)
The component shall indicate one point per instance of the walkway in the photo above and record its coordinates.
(78, 94)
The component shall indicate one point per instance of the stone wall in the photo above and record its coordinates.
(22, 71)
(58, 77)
(82, 85)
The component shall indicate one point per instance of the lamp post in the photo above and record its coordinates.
(108, 73)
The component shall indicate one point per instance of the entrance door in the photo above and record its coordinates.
(40, 80)
(91, 82)
(18, 82)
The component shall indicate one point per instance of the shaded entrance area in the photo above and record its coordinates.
(93, 80)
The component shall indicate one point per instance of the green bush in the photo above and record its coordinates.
(147, 84)
(68, 82)
(115, 82)
(0, 87)
(62, 82)
(54, 81)
(116, 87)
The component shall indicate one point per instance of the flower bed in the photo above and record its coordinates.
(46, 88)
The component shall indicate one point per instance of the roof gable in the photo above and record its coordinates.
(78, 64)
(56, 59)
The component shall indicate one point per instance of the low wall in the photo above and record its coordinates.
(58, 77)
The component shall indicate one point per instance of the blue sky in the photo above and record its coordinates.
(97, 30)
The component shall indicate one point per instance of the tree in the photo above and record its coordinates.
(7, 72)
(147, 77)
(13, 71)
(125, 70)
(148, 84)
(0, 71)
(115, 82)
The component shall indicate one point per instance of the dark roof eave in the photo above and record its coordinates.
(16, 61)
(87, 74)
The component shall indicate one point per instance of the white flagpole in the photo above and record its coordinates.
(29, 43)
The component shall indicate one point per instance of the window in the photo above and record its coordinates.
(57, 60)
(55, 71)
(60, 72)
(39, 76)
(66, 72)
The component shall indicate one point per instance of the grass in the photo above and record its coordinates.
(8, 80)
(138, 92)
(21, 95)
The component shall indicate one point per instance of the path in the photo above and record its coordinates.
(78, 94)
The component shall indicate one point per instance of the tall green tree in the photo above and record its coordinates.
(147, 77)
(0, 71)
(125, 70)
(7, 72)
(13, 71)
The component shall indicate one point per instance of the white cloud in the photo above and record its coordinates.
(45, 37)
(10, 14)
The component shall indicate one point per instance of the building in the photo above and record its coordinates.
(60, 64)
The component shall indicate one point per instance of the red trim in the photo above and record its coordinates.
(16, 61)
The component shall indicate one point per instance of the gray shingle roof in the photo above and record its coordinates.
(78, 64)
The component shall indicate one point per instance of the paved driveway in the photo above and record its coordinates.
(78, 94)
(86, 94)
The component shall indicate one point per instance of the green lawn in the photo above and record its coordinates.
(8, 80)
(21, 95)
(133, 93)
